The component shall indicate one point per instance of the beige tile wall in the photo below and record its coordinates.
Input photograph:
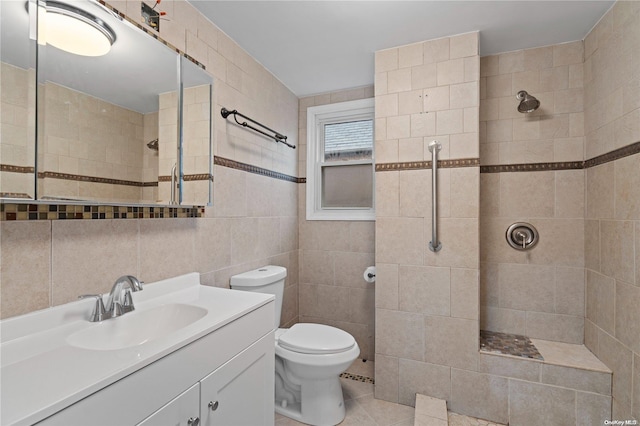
(253, 222)
(334, 254)
(612, 227)
(554, 132)
(17, 106)
(427, 319)
(111, 147)
(149, 156)
(539, 293)
(167, 141)
(197, 116)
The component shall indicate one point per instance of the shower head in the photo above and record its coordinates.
(153, 145)
(528, 103)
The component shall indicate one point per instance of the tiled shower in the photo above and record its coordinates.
(570, 169)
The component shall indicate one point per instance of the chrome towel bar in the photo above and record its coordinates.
(276, 136)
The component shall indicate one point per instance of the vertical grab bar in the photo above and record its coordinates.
(173, 184)
(434, 244)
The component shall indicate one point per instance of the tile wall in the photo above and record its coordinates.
(538, 293)
(334, 254)
(195, 160)
(612, 225)
(149, 156)
(253, 221)
(167, 142)
(427, 317)
(71, 146)
(17, 97)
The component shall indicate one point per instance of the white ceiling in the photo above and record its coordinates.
(321, 46)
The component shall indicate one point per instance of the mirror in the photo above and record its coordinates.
(108, 123)
(98, 115)
(17, 102)
(196, 145)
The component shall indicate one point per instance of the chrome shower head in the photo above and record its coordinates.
(528, 103)
(153, 145)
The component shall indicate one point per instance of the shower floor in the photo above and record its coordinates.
(508, 344)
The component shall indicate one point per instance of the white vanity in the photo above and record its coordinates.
(187, 355)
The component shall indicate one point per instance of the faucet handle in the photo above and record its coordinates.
(99, 312)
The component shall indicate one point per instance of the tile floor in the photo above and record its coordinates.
(364, 410)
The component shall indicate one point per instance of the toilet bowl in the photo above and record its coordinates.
(309, 357)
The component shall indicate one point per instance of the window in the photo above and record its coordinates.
(340, 170)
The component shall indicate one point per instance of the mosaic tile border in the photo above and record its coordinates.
(357, 378)
(14, 211)
(93, 179)
(508, 344)
(610, 156)
(533, 167)
(188, 178)
(16, 169)
(419, 165)
(152, 34)
(15, 195)
(226, 162)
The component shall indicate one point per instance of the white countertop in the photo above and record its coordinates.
(41, 373)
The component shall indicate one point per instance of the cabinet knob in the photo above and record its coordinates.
(193, 421)
(213, 405)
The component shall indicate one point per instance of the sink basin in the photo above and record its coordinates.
(137, 327)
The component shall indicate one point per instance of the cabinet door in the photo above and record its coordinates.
(183, 410)
(241, 392)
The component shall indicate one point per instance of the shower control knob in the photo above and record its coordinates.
(522, 236)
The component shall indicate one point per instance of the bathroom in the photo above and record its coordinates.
(419, 324)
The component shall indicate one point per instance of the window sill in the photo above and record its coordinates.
(344, 215)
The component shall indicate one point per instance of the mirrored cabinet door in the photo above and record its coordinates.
(122, 118)
(196, 137)
(18, 100)
(103, 112)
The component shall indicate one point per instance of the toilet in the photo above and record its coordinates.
(309, 357)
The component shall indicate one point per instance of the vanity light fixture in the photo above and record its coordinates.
(76, 31)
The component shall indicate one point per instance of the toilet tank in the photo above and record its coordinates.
(267, 279)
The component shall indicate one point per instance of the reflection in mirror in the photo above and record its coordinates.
(197, 148)
(103, 120)
(17, 101)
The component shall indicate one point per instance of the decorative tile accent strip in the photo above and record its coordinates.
(152, 34)
(225, 162)
(16, 169)
(533, 167)
(357, 378)
(616, 154)
(14, 211)
(93, 179)
(15, 195)
(188, 178)
(508, 344)
(418, 165)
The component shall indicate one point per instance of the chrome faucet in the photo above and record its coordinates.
(120, 300)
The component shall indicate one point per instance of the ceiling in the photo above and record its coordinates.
(321, 46)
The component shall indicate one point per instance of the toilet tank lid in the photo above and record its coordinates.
(259, 277)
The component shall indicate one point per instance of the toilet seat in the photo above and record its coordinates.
(308, 338)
